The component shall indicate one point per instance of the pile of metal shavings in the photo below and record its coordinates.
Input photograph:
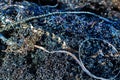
(98, 57)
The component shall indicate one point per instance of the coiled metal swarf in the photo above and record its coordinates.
(98, 36)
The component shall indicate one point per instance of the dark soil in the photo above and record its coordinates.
(98, 34)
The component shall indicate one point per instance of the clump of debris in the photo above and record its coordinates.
(59, 40)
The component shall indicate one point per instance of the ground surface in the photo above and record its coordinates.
(100, 52)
